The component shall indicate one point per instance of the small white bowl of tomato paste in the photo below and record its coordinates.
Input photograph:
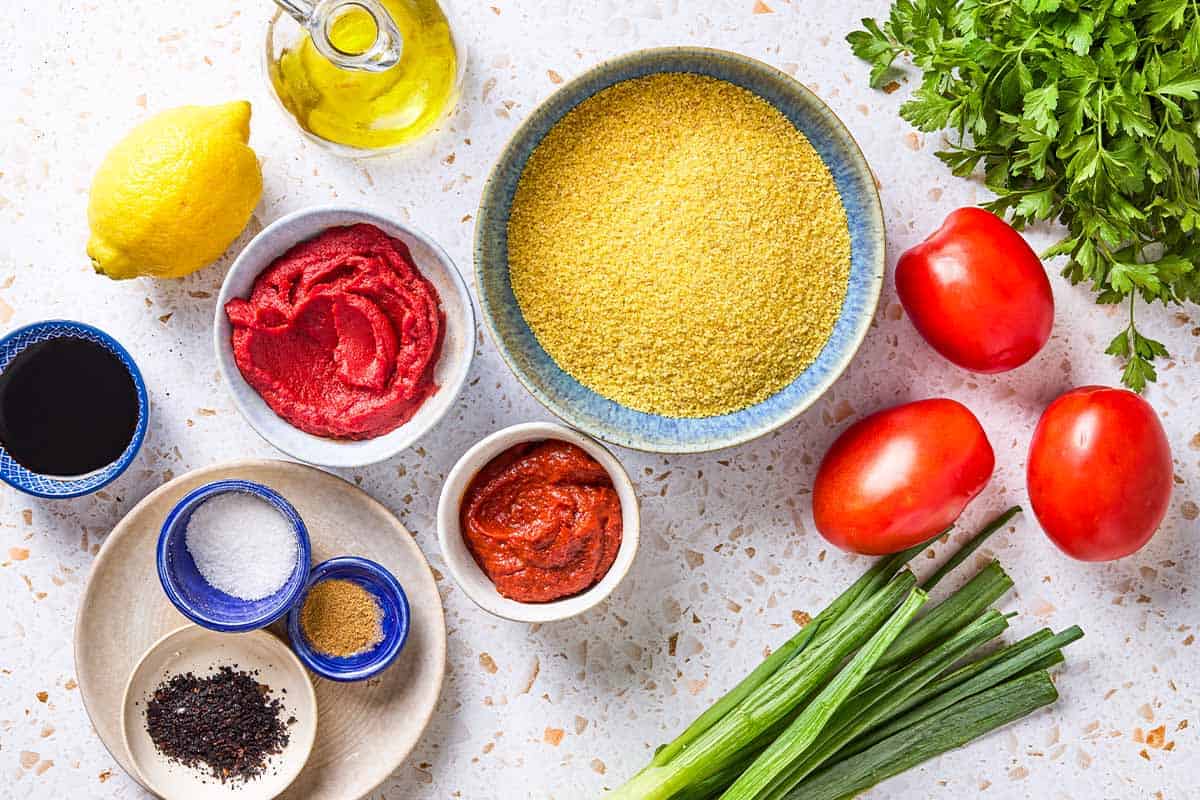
(538, 522)
(344, 335)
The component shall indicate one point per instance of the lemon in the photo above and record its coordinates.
(172, 195)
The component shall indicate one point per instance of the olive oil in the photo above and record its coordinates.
(371, 110)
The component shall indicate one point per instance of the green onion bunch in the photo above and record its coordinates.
(877, 683)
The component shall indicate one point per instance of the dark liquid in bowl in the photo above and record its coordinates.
(67, 407)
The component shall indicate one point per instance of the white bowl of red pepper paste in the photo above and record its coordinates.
(343, 334)
(538, 522)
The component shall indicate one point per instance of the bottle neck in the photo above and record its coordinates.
(318, 19)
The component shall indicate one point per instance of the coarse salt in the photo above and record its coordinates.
(242, 545)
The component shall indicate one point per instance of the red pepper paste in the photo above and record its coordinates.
(341, 334)
(543, 521)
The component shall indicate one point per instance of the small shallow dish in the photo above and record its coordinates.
(450, 372)
(388, 593)
(597, 415)
(194, 649)
(200, 601)
(59, 487)
(461, 563)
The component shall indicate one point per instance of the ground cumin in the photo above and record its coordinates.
(341, 618)
(678, 246)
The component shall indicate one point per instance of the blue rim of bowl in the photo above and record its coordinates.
(206, 492)
(56, 487)
(858, 309)
(387, 656)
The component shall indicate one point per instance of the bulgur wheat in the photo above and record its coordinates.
(678, 246)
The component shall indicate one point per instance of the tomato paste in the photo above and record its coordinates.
(543, 521)
(341, 334)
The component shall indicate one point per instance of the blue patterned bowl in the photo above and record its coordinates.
(58, 487)
(604, 418)
(386, 590)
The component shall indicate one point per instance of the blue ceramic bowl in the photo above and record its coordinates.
(203, 603)
(604, 418)
(386, 590)
(57, 486)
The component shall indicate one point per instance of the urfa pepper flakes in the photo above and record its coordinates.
(227, 723)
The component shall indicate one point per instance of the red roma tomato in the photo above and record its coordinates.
(899, 476)
(1099, 473)
(977, 292)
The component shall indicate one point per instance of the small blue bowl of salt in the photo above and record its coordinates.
(233, 556)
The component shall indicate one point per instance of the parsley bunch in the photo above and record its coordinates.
(1082, 111)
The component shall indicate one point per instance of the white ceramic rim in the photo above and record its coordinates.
(297, 764)
(461, 565)
(453, 367)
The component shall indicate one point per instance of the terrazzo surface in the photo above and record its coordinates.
(730, 562)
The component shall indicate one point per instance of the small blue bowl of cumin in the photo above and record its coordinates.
(394, 620)
(602, 417)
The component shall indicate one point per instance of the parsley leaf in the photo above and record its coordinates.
(1080, 112)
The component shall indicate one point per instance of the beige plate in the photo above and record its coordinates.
(365, 730)
(200, 651)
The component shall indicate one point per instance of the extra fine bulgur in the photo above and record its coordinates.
(678, 246)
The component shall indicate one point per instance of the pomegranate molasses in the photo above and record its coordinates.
(68, 406)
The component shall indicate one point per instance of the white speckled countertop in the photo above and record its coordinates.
(729, 556)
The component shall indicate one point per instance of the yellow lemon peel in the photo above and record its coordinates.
(172, 195)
